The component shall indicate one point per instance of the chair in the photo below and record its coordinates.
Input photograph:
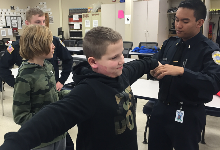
(69, 43)
(128, 44)
(2, 46)
(5, 40)
(146, 44)
(126, 52)
(147, 109)
(79, 43)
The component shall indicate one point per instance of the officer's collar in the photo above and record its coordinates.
(189, 43)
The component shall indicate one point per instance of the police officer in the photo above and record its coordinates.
(12, 56)
(188, 78)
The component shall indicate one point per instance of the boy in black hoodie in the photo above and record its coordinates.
(102, 103)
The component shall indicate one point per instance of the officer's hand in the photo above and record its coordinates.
(152, 72)
(163, 70)
(59, 86)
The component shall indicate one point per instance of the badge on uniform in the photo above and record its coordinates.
(216, 57)
(62, 43)
(10, 49)
(179, 116)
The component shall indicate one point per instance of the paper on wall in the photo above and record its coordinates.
(19, 23)
(3, 32)
(75, 17)
(10, 31)
(8, 21)
(76, 26)
(87, 23)
(127, 19)
(95, 23)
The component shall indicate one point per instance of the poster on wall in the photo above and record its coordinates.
(51, 19)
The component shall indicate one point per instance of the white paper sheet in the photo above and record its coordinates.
(95, 23)
(87, 23)
(76, 26)
(3, 32)
(75, 17)
(10, 31)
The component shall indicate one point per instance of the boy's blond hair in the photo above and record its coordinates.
(33, 11)
(97, 40)
(35, 41)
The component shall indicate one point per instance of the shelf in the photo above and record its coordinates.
(75, 22)
(75, 30)
(75, 37)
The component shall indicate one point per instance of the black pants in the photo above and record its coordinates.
(69, 142)
(165, 133)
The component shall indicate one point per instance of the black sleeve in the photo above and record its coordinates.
(136, 69)
(206, 81)
(54, 119)
(7, 61)
(67, 60)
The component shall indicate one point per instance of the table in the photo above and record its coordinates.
(75, 49)
(136, 53)
(148, 89)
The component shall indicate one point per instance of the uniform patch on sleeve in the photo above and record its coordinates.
(62, 43)
(216, 57)
(10, 49)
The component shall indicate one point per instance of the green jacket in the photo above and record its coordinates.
(35, 87)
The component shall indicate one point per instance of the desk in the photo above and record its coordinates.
(136, 53)
(75, 49)
(148, 89)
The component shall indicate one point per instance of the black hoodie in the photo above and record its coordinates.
(104, 109)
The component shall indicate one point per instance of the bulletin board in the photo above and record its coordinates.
(13, 21)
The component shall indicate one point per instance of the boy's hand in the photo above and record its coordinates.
(59, 86)
(163, 70)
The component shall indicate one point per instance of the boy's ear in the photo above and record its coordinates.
(27, 22)
(92, 62)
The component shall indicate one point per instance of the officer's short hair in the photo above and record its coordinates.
(198, 6)
(35, 41)
(97, 40)
(33, 11)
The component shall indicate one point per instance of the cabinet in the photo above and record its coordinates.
(75, 22)
(109, 17)
(90, 20)
(149, 20)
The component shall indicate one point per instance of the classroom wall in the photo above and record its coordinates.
(215, 4)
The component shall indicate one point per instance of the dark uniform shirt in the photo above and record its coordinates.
(201, 77)
(8, 60)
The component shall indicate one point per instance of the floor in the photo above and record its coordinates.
(212, 136)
